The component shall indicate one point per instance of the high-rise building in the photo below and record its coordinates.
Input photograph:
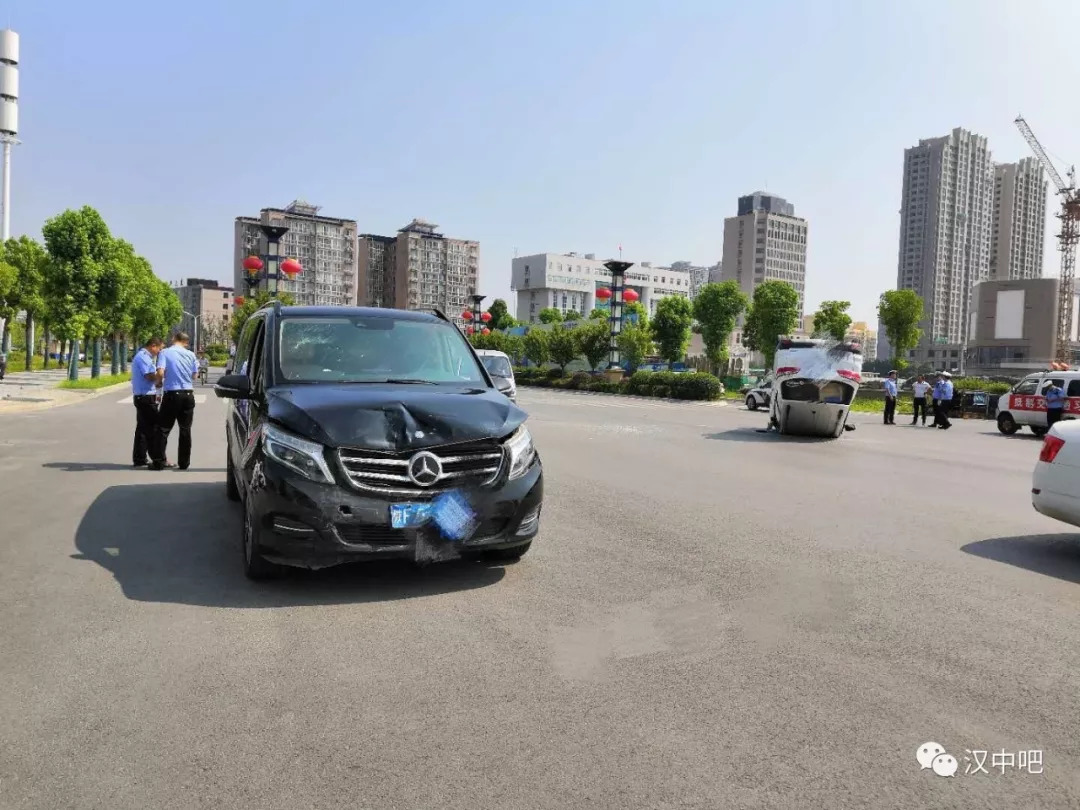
(765, 241)
(568, 282)
(1019, 224)
(699, 275)
(946, 213)
(208, 308)
(324, 246)
(418, 269)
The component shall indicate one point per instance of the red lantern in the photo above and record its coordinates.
(239, 300)
(485, 317)
(253, 264)
(603, 293)
(466, 315)
(291, 268)
(469, 330)
(630, 296)
(486, 331)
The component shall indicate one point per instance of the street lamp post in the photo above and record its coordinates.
(195, 332)
(476, 309)
(618, 269)
(273, 234)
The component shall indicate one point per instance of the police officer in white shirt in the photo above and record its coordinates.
(919, 389)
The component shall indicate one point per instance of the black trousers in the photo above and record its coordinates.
(1053, 415)
(919, 403)
(890, 410)
(146, 420)
(941, 413)
(177, 408)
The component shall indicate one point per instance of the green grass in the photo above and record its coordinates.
(17, 362)
(91, 383)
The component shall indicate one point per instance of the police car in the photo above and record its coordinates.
(1025, 406)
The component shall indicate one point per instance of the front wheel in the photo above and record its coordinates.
(256, 567)
(1006, 424)
(1039, 431)
(751, 404)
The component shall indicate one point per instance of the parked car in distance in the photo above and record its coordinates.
(759, 394)
(1024, 405)
(1055, 483)
(501, 371)
(357, 434)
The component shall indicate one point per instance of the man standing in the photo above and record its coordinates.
(890, 398)
(919, 391)
(143, 381)
(943, 395)
(1055, 403)
(177, 367)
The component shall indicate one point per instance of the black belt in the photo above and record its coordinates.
(181, 391)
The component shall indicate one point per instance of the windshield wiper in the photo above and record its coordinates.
(408, 381)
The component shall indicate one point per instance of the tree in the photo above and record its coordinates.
(599, 314)
(671, 327)
(832, 320)
(562, 346)
(635, 344)
(79, 246)
(716, 308)
(500, 315)
(900, 312)
(535, 345)
(773, 313)
(549, 315)
(594, 341)
(116, 295)
(251, 305)
(571, 316)
(29, 259)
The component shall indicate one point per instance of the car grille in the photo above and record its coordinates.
(355, 533)
(463, 465)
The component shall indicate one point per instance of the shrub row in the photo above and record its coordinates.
(661, 384)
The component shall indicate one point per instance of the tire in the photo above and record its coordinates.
(232, 492)
(509, 554)
(751, 404)
(256, 567)
(1039, 431)
(1006, 424)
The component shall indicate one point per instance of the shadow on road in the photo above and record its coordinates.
(180, 542)
(1055, 555)
(104, 466)
(760, 435)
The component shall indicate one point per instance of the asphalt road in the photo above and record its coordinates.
(712, 617)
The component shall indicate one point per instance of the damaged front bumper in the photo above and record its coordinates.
(308, 525)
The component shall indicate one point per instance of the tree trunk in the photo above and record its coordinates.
(29, 341)
(45, 351)
(5, 343)
(114, 367)
(123, 353)
(95, 358)
(73, 360)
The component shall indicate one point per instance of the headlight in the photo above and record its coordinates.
(522, 452)
(300, 455)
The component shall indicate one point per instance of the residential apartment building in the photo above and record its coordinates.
(208, 308)
(325, 247)
(1019, 220)
(946, 217)
(699, 275)
(568, 282)
(765, 241)
(420, 268)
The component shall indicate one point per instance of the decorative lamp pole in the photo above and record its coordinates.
(618, 270)
(273, 234)
(477, 315)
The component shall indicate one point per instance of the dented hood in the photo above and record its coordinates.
(393, 417)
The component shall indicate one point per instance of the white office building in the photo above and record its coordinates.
(568, 282)
(1019, 230)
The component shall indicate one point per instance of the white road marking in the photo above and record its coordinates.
(199, 400)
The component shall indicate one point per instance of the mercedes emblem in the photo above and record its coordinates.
(425, 469)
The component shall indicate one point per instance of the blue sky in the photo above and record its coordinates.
(559, 126)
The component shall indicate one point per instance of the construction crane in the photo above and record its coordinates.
(1067, 239)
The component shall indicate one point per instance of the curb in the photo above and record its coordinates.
(77, 396)
(714, 403)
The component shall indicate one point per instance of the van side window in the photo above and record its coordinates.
(243, 348)
(1074, 389)
(256, 368)
(1047, 383)
(1028, 386)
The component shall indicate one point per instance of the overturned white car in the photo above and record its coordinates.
(814, 383)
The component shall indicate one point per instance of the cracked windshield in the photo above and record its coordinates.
(591, 405)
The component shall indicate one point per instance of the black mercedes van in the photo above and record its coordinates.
(358, 433)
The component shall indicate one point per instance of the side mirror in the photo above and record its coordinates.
(233, 386)
(502, 383)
